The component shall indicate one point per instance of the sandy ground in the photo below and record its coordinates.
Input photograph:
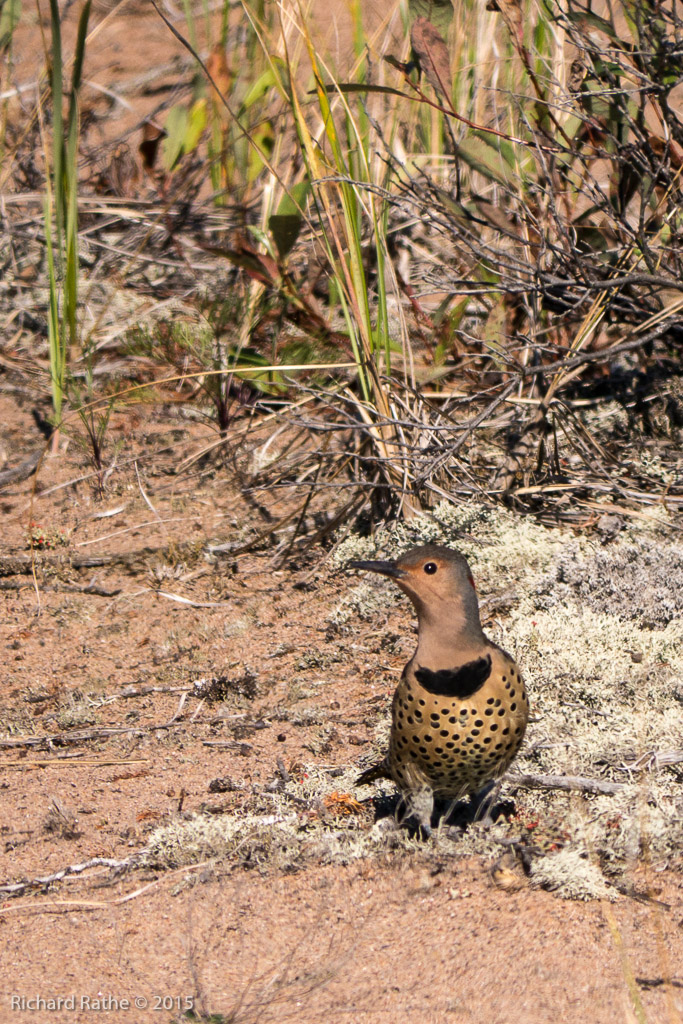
(405, 935)
(376, 943)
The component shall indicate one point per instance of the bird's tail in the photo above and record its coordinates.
(377, 771)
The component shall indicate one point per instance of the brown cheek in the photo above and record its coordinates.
(471, 579)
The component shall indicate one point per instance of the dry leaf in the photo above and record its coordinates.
(222, 76)
(121, 175)
(432, 54)
(512, 16)
(507, 874)
(342, 803)
(152, 135)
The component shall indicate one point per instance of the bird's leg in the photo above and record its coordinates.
(419, 805)
(483, 802)
(452, 804)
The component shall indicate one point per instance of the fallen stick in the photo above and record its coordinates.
(68, 588)
(652, 759)
(145, 689)
(567, 783)
(84, 735)
(71, 762)
(17, 888)
(53, 906)
(23, 471)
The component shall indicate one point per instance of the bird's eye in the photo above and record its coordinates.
(430, 568)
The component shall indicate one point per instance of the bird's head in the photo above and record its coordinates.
(439, 582)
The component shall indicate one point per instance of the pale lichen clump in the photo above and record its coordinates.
(76, 715)
(366, 601)
(603, 689)
(491, 538)
(604, 697)
(640, 580)
(502, 549)
(298, 825)
(644, 820)
(206, 837)
(596, 629)
(572, 875)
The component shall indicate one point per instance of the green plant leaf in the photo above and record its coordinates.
(10, 12)
(196, 123)
(258, 90)
(504, 151)
(449, 317)
(281, 77)
(285, 225)
(351, 87)
(264, 139)
(589, 238)
(176, 131)
(184, 129)
(487, 272)
(586, 20)
(478, 155)
(268, 381)
(493, 328)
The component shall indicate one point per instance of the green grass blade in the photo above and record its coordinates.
(57, 126)
(71, 182)
(54, 331)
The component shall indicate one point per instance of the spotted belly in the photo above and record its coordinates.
(455, 745)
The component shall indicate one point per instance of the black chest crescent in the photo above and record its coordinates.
(455, 682)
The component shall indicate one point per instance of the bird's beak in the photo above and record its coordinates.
(384, 568)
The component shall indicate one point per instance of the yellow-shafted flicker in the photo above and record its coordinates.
(460, 709)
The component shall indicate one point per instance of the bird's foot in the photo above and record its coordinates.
(482, 804)
(419, 805)
(453, 832)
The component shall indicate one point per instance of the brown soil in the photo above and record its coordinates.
(402, 935)
(405, 935)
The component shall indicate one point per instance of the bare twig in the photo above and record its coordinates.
(564, 782)
(62, 588)
(72, 762)
(43, 881)
(21, 472)
(87, 735)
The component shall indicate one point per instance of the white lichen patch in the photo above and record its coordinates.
(595, 627)
(504, 550)
(572, 875)
(606, 421)
(76, 715)
(598, 713)
(366, 601)
(307, 819)
(640, 579)
(205, 837)
(591, 701)
(597, 631)
(491, 538)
